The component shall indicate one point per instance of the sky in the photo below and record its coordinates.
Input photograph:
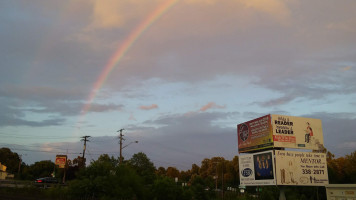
(177, 75)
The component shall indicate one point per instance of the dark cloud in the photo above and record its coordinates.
(11, 115)
(186, 139)
(95, 107)
(51, 57)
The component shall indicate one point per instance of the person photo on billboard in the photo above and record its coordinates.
(308, 133)
(263, 166)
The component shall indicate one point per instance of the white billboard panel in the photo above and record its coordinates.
(257, 169)
(297, 132)
(301, 168)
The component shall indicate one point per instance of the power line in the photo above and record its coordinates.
(42, 151)
(52, 146)
(34, 136)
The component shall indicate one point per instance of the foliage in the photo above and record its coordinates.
(161, 171)
(342, 170)
(104, 180)
(40, 169)
(143, 166)
(198, 188)
(269, 193)
(10, 159)
(165, 188)
(172, 172)
(139, 179)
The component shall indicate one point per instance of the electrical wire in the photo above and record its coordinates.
(42, 151)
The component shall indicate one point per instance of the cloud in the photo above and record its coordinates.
(38, 93)
(347, 68)
(210, 105)
(275, 8)
(7, 121)
(347, 145)
(150, 107)
(132, 117)
(95, 107)
(107, 14)
(185, 139)
(112, 14)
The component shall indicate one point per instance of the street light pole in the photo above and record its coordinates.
(121, 138)
(120, 142)
(129, 144)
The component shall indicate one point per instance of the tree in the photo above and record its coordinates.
(104, 179)
(185, 175)
(350, 168)
(79, 161)
(172, 172)
(198, 188)
(42, 168)
(161, 171)
(10, 159)
(143, 166)
(106, 158)
(195, 169)
(165, 188)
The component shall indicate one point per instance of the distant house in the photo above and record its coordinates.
(3, 173)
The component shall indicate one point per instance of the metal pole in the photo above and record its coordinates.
(20, 165)
(121, 138)
(222, 179)
(282, 195)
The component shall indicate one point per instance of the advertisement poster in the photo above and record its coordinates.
(61, 160)
(297, 132)
(301, 168)
(255, 134)
(257, 169)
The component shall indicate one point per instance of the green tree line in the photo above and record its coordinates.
(138, 178)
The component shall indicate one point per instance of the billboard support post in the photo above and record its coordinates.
(282, 195)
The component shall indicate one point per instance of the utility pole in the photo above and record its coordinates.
(121, 138)
(20, 156)
(222, 179)
(85, 139)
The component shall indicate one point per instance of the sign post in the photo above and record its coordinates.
(61, 161)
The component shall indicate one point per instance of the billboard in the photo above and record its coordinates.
(61, 161)
(255, 134)
(341, 191)
(257, 169)
(301, 168)
(280, 131)
(297, 132)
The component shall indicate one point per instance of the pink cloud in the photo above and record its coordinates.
(132, 118)
(153, 106)
(210, 105)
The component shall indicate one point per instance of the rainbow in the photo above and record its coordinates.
(123, 48)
